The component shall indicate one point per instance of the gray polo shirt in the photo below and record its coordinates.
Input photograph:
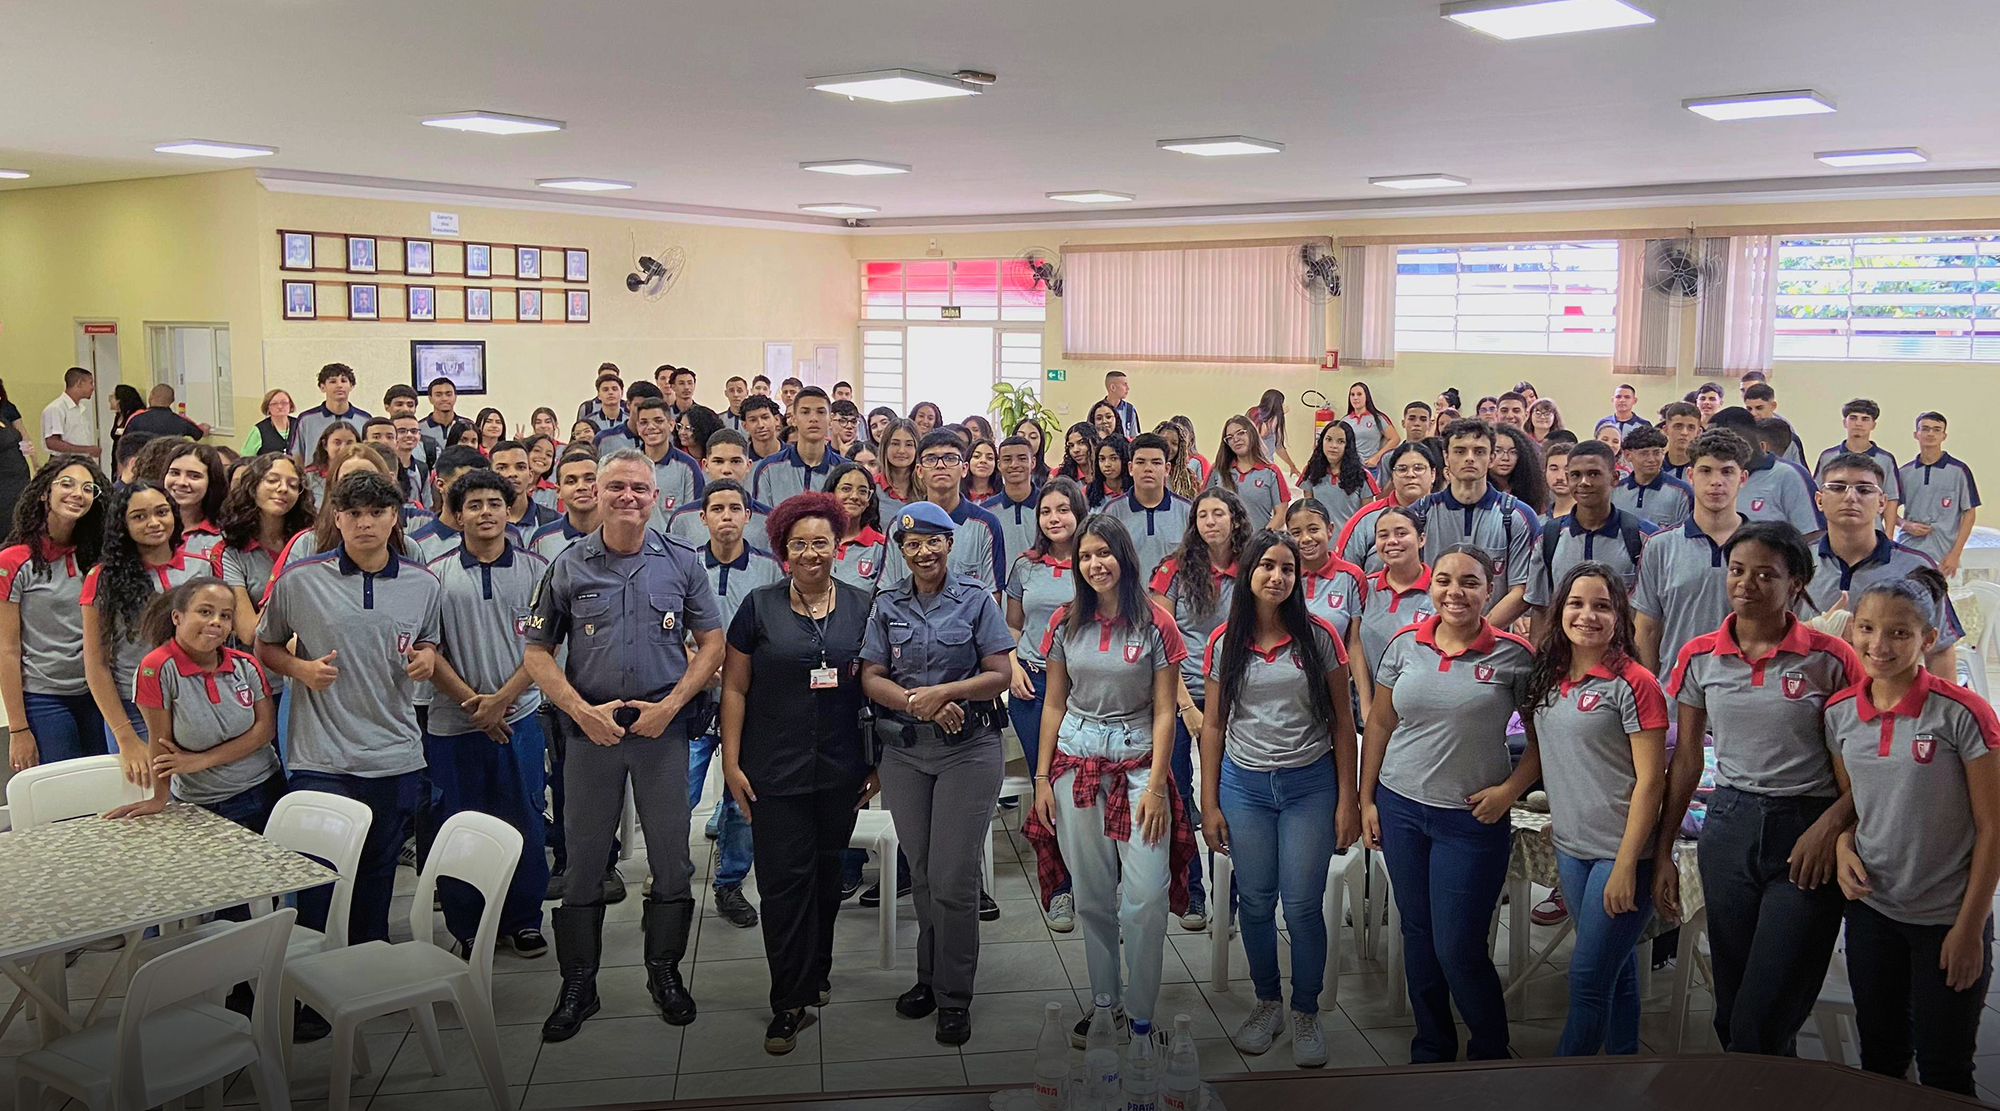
(1886, 561)
(1777, 489)
(130, 649)
(1262, 490)
(365, 722)
(200, 539)
(554, 538)
(1585, 732)
(1156, 532)
(1271, 723)
(309, 426)
(51, 619)
(485, 627)
(1935, 494)
(1042, 584)
(624, 618)
(1576, 544)
(1765, 714)
(1357, 537)
(1907, 764)
(1111, 665)
(859, 562)
(1666, 501)
(1500, 523)
(617, 437)
(249, 567)
(209, 708)
(976, 545)
(1195, 624)
(1452, 713)
(927, 639)
(1341, 506)
(1385, 611)
(678, 482)
(434, 538)
(779, 476)
(1683, 585)
(1017, 522)
(1891, 487)
(1335, 593)
(733, 581)
(685, 523)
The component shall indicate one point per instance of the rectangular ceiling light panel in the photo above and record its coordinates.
(895, 86)
(1757, 106)
(1527, 19)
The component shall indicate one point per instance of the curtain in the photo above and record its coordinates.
(1190, 303)
(1368, 306)
(1736, 320)
(1647, 336)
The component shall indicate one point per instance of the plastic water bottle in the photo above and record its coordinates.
(1100, 1057)
(1142, 1070)
(1180, 1088)
(1052, 1063)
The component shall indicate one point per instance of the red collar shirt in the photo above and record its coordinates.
(1765, 714)
(1452, 712)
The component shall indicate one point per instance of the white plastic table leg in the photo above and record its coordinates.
(1219, 920)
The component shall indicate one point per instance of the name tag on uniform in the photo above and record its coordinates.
(825, 678)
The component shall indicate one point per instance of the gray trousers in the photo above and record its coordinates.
(943, 798)
(594, 800)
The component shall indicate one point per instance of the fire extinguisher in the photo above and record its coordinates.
(1323, 414)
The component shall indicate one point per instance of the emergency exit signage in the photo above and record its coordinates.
(1057, 374)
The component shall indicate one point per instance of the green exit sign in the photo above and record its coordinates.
(1058, 374)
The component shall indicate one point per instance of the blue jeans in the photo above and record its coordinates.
(66, 725)
(471, 772)
(1603, 970)
(1281, 841)
(1447, 868)
(1183, 769)
(132, 715)
(732, 832)
(392, 801)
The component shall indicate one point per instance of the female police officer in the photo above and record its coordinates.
(935, 661)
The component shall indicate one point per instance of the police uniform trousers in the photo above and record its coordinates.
(943, 797)
(594, 778)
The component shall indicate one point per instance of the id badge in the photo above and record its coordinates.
(825, 678)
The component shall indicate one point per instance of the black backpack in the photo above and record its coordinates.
(1628, 531)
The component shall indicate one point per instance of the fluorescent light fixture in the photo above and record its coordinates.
(839, 208)
(1421, 181)
(894, 86)
(1215, 146)
(13, 175)
(583, 184)
(1090, 196)
(209, 149)
(855, 167)
(1891, 156)
(494, 123)
(1753, 106)
(1527, 19)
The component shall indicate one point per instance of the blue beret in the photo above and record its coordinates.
(923, 518)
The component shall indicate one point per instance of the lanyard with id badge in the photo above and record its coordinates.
(824, 677)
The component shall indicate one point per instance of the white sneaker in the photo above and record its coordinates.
(1062, 913)
(1308, 1044)
(1257, 1031)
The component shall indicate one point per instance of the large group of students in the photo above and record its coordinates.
(1669, 628)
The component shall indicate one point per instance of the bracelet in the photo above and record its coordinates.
(1044, 779)
(20, 729)
(1155, 794)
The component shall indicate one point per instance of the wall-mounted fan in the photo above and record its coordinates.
(1679, 270)
(656, 273)
(1318, 276)
(1041, 272)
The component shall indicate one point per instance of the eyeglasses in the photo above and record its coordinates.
(932, 542)
(816, 546)
(66, 484)
(951, 460)
(1858, 489)
(1412, 471)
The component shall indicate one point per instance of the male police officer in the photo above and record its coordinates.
(624, 599)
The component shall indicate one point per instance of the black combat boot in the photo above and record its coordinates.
(666, 924)
(579, 942)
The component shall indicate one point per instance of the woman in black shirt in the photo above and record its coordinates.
(791, 749)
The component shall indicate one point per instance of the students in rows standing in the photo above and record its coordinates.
(1154, 516)
(1435, 790)
(1923, 860)
(1470, 511)
(1855, 553)
(1940, 500)
(1334, 476)
(1413, 476)
(1774, 488)
(1595, 531)
(859, 555)
(57, 533)
(802, 465)
(727, 457)
(1244, 469)
(1397, 595)
(1858, 417)
(976, 544)
(1758, 684)
(1683, 589)
(1334, 589)
(1278, 772)
(1647, 489)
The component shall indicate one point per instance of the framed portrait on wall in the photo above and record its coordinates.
(578, 307)
(298, 251)
(478, 260)
(528, 304)
(576, 266)
(360, 254)
(416, 256)
(362, 302)
(422, 302)
(299, 301)
(528, 263)
(478, 303)
(463, 361)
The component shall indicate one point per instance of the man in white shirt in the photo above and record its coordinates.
(68, 424)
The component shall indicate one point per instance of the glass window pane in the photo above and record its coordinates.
(1884, 297)
(1507, 297)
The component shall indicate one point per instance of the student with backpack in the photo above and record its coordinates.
(1596, 531)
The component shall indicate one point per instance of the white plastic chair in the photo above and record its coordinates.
(1013, 786)
(1833, 1014)
(1346, 875)
(170, 1041)
(350, 985)
(1976, 654)
(69, 789)
(875, 831)
(1693, 930)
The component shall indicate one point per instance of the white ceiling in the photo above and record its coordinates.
(705, 103)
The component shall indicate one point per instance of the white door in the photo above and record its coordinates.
(97, 352)
(952, 366)
(194, 360)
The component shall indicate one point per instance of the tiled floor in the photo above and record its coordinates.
(627, 1053)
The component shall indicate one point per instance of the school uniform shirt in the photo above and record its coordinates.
(201, 538)
(859, 562)
(1386, 610)
(1017, 522)
(612, 437)
(1341, 506)
(1585, 732)
(1195, 626)
(434, 538)
(1765, 714)
(548, 497)
(1335, 593)
(126, 654)
(685, 523)
(1683, 585)
(1262, 490)
(554, 538)
(1111, 665)
(365, 723)
(1935, 494)
(733, 581)
(1888, 560)
(1356, 543)
(1042, 584)
(1676, 470)
(483, 619)
(1451, 734)
(1366, 429)
(1155, 531)
(436, 435)
(309, 426)
(1907, 765)
(208, 707)
(888, 505)
(1625, 426)
(1576, 544)
(927, 639)
(780, 475)
(1501, 524)
(593, 411)
(1891, 487)
(51, 620)
(976, 545)
(1271, 723)
(677, 481)
(1776, 489)
(1666, 501)
(249, 567)
(625, 619)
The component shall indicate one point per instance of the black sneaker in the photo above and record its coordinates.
(989, 911)
(782, 1036)
(614, 886)
(873, 896)
(528, 943)
(734, 908)
(954, 1025)
(847, 890)
(918, 1002)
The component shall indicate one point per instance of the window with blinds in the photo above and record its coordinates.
(1913, 297)
(1539, 298)
(1233, 302)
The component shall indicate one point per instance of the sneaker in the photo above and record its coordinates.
(1010, 803)
(1261, 1028)
(1195, 917)
(1080, 1033)
(782, 1036)
(1062, 913)
(528, 943)
(989, 911)
(406, 857)
(734, 908)
(614, 886)
(873, 896)
(1550, 911)
(847, 890)
(1308, 1044)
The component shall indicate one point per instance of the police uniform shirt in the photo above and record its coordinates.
(309, 426)
(1262, 490)
(127, 653)
(1335, 593)
(1356, 544)
(927, 639)
(1683, 585)
(1666, 501)
(249, 567)
(1042, 584)
(1777, 489)
(1907, 764)
(208, 708)
(201, 538)
(1452, 712)
(733, 581)
(798, 739)
(484, 622)
(625, 618)
(1498, 523)
(677, 481)
(1111, 665)
(1195, 626)
(1341, 506)
(858, 562)
(1385, 610)
(1765, 714)
(1017, 522)
(1271, 722)
(1935, 494)
(51, 618)
(1585, 732)
(780, 475)
(365, 723)
(1887, 561)
(1156, 532)
(1891, 487)
(1576, 544)
(976, 545)
(685, 523)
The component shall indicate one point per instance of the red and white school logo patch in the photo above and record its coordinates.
(1756, 505)
(1795, 685)
(1926, 747)
(243, 699)
(1588, 700)
(1483, 672)
(1132, 653)
(1946, 503)
(867, 567)
(402, 642)
(521, 626)
(1336, 601)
